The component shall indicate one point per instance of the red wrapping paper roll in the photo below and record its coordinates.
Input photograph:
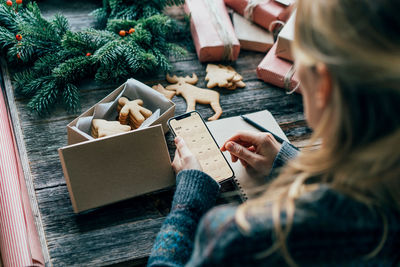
(19, 241)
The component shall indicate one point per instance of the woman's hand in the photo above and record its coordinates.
(184, 158)
(257, 150)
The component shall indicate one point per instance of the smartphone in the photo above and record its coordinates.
(194, 131)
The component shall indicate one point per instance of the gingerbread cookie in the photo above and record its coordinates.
(185, 86)
(132, 112)
(218, 76)
(168, 94)
(223, 76)
(102, 128)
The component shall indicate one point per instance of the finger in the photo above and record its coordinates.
(176, 163)
(242, 153)
(244, 163)
(252, 149)
(244, 137)
(234, 158)
(182, 148)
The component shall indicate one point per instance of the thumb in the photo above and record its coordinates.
(242, 153)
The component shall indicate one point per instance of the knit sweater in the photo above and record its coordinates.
(329, 229)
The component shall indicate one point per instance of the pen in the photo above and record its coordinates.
(259, 127)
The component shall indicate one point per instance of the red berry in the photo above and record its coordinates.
(122, 33)
(9, 3)
(131, 30)
(18, 56)
(19, 37)
(88, 54)
(18, 2)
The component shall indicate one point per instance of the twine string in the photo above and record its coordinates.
(287, 80)
(222, 31)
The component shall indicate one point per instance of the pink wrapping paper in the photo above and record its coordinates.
(273, 70)
(19, 241)
(263, 14)
(209, 46)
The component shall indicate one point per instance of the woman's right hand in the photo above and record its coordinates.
(255, 150)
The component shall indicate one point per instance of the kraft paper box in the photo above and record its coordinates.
(251, 36)
(212, 30)
(265, 13)
(285, 39)
(110, 169)
(278, 72)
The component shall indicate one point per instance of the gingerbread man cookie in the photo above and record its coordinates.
(102, 128)
(132, 112)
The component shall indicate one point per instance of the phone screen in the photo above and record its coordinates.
(192, 128)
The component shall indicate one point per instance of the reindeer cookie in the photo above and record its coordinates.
(192, 94)
(132, 112)
(168, 94)
(102, 128)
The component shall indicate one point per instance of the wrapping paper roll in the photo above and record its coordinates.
(19, 241)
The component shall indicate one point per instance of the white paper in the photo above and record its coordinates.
(133, 89)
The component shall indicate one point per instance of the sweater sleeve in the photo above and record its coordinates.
(195, 194)
(286, 153)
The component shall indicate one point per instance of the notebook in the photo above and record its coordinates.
(222, 129)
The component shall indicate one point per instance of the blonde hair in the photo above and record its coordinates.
(359, 42)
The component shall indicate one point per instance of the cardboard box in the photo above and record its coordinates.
(285, 39)
(278, 72)
(207, 32)
(251, 36)
(264, 13)
(109, 169)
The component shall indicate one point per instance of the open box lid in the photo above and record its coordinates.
(135, 89)
(114, 168)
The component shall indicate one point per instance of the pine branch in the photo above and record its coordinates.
(70, 97)
(7, 38)
(45, 99)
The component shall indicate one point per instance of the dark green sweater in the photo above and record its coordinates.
(329, 229)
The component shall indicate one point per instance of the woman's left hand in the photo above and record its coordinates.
(184, 158)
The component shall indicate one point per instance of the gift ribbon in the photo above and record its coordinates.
(287, 80)
(248, 13)
(223, 33)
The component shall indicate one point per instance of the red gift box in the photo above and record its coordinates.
(278, 72)
(212, 30)
(265, 13)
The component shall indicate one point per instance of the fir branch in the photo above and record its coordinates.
(73, 69)
(45, 99)
(70, 96)
(61, 24)
(7, 38)
(8, 18)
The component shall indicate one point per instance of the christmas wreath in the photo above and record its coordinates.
(48, 59)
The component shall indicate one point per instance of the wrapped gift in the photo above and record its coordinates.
(212, 30)
(263, 12)
(285, 39)
(251, 36)
(278, 72)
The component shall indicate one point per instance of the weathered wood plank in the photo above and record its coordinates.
(124, 232)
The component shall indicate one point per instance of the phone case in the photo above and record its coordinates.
(192, 128)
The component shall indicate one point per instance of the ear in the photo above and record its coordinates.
(324, 90)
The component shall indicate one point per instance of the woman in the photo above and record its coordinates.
(339, 205)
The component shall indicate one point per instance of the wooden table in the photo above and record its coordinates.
(120, 234)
